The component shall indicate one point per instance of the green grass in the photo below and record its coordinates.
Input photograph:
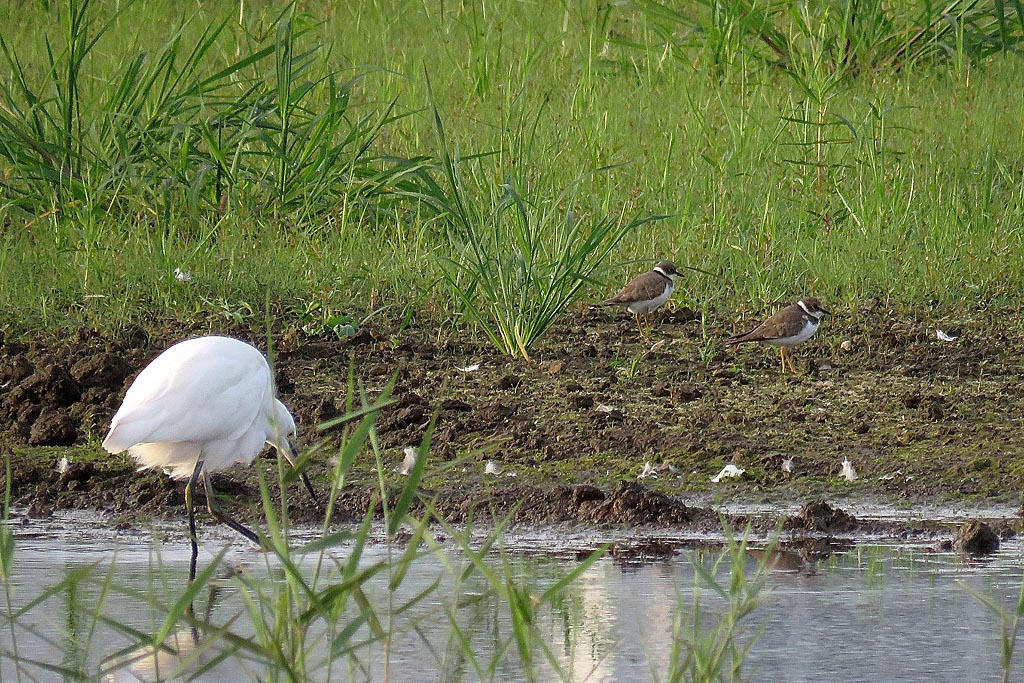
(296, 156)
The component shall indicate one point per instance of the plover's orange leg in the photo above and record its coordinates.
(786, 357)
(644, 332)
(649, 318)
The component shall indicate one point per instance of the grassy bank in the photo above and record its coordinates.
(301, 155)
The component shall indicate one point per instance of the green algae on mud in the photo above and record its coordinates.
(920, 419)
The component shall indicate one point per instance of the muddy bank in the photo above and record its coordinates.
(919, 419)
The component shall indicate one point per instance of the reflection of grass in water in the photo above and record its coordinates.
(876, 563)
(1009, 624)
(714, 648)
(330, 617)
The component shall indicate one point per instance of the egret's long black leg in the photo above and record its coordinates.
(211, 505)
(305, 480)
(189, 492)
(309, 487)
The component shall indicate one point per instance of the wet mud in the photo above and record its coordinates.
(570, 430)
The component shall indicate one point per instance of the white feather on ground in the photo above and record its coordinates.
(848, 473)
(728, 472)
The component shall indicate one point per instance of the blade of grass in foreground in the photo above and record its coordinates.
(1010, 621)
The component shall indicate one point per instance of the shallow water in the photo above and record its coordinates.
(879, 612)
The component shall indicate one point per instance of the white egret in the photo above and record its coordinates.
(201, 406)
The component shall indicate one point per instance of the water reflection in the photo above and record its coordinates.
(188, 654)
(185, 656)
(864, 614)
(871, 615)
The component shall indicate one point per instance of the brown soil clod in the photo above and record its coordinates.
(822, 517)
(105, 370)
(52, 428)
(976, 538)
(631, 503)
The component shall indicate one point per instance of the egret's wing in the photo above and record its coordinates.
(200, 390)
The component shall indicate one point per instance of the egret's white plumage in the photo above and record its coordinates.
(210, 394)
(201, 406)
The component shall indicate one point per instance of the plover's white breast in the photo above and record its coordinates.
(810, 327)
(644, 307)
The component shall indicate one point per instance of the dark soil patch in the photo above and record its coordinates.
(919, 418)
